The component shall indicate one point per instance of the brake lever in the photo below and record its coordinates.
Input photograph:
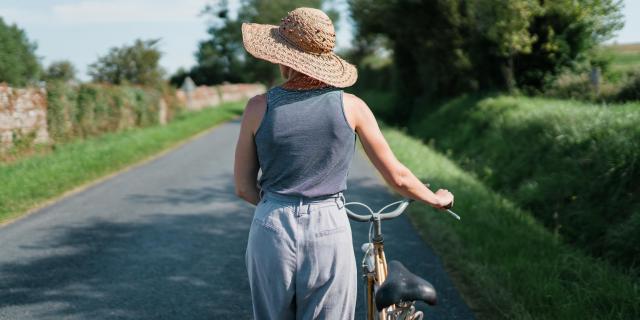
(453, 214)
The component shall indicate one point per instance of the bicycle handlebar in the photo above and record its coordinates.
(382, 216)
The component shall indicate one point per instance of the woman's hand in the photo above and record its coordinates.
(445, 199)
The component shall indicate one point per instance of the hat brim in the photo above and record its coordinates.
(263, 41)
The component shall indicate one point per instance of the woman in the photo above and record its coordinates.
(300, 259)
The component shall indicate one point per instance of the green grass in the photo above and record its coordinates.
(625, 56)
(575, 166)
(626, 59)
(508, 265)
(31, 181)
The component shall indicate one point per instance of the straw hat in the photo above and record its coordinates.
(304, 41)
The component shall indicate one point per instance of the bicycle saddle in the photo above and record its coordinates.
(402, 285)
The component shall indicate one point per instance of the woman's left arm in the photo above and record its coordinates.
(246, 164)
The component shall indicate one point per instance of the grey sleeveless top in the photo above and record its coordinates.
(305, 144)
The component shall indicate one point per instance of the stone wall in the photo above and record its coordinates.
(22, 112)
(209, 96)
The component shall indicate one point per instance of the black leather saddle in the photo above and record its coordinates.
(402, 285)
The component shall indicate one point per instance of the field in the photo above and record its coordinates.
(625, 56)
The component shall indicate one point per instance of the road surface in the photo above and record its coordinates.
(166, 240)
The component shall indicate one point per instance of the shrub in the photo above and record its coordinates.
(62, 70)
(92, 109)
(630, 91)
(576, 166)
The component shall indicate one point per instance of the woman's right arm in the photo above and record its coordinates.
(393, 171)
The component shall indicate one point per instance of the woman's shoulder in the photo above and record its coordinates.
(257, 100)
(354, 104)
(255, 109)
(354, 108)
(256, 104)
(352, 99)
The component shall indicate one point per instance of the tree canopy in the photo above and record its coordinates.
(134, 64)
(444, 48)
(62, 70)
(19, 64)
(222, 57)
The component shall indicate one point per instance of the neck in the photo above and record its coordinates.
(302, 81)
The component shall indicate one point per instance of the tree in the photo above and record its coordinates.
(506, 25)
(135, 64)
(444, 48)
(18, 62)
(222, 57)
(62, 70)
(177, 78)
(568, 32)
(430, 41)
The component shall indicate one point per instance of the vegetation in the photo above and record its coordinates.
(445, 48)
(222, 57)
(574, 166)
(625, 56)
(19, 64)
(507, 264)
(33, 180)
(130, 64)
(62, 70)
(618, 67)
(92, 109)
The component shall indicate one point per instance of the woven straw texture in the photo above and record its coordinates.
(304, 41)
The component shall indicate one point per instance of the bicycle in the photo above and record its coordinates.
(394, 288)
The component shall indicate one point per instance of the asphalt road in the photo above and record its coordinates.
(166, 240)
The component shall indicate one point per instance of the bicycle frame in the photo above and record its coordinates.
(374, 270)
(374, 278)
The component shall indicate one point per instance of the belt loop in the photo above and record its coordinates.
(298, 208)
(341, 202)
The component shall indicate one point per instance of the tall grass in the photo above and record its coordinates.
(507, 264)
(575, 166)
(28, 182)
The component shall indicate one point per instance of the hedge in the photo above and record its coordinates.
(575, 166)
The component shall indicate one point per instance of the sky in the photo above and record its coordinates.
(82, 30)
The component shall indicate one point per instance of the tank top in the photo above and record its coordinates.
(304, 143)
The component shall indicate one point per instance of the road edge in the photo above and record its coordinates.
(101, 179)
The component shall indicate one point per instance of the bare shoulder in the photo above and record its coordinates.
(257, 104)
(353, 100)
(357, 109)
(254, 111)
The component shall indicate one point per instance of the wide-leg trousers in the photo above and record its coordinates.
(300, 259)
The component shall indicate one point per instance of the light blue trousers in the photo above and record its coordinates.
(300, 259)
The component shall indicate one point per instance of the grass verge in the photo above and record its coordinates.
(507, 265)
(32, 181)
(574, 165)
